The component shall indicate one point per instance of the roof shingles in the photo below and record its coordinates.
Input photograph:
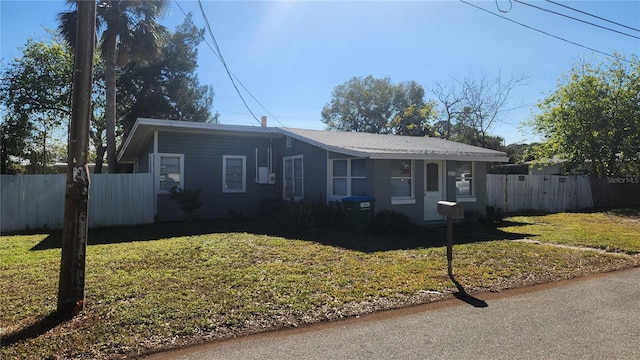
(383, 145)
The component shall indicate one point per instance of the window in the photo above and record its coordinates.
(402, 180)
(293, 178)
(234, 172)
(464, 179)
(432, 177)
(169, 172)
(349, 178)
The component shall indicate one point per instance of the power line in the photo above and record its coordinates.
(224, 63)
(258, 101)
(576, 19)
(205, 40)
(548, 34)
(595, 16)
(231, 75)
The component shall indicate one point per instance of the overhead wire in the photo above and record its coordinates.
(224, 63)
(216, 51)
(548, 34)
(505, 10)
(576, 19)
(594, 16)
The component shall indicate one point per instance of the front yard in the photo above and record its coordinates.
(167, 285)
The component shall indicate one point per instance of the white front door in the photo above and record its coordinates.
(433, 189)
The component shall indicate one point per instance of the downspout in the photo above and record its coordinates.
(156, 164)
(257, 175)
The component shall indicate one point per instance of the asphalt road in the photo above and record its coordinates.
(593, 318)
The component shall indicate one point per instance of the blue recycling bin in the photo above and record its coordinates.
(359, 210)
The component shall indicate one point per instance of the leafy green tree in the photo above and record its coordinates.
(379, 106)
(592, 119)
(521, 153)
(35, 92)
(15, 132)
(130, 30)
(167, 87)
(414, 116)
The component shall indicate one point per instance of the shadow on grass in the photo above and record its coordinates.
(45, 324)
(627, 212)
(151, 232)
(420, 237)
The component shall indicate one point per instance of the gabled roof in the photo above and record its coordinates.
(364, 145)
(380, 146)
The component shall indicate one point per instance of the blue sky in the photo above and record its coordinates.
(291, 54)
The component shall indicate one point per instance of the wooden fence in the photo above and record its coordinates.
(549, 193)
(615, 192)
(37, 201)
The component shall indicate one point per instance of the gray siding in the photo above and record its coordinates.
(381, 176)
(143, 159)
(382, 189)
(450, 180)
(203, 161)
(203, 169)
(315, 168)
(479, 183)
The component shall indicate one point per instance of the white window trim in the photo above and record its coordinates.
(469, 198)
(405, 200)
(349, 177)
(224, 173)
(156, 163)
(284, 177)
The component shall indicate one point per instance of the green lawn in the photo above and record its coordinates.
(170, 284)
(616, 230)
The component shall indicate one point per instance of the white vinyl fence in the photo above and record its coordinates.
(37, 201)
(549, 193)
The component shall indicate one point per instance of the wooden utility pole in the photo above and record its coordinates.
(76, 203)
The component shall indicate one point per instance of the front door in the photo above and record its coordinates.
(433, 189)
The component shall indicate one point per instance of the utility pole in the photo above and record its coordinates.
(76, 203)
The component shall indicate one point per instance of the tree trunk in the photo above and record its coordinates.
(3, 154)
(110, 114)
(100, 150)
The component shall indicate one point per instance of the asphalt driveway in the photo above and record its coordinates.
(593, 318)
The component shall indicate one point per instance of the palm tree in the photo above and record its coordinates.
(130, 30)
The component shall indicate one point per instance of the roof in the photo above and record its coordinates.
(358, 144)
(144, 128)
(381, 146)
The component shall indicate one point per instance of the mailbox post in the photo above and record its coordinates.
(451, 210)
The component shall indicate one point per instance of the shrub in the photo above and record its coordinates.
(307, 215)
(389, 222)
(188, 199)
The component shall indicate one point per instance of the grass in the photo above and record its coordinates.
(152, 287)
(615, 230)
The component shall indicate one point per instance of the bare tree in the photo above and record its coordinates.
(472, 106)
(451, 103)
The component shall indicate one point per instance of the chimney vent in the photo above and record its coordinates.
(263, 121)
